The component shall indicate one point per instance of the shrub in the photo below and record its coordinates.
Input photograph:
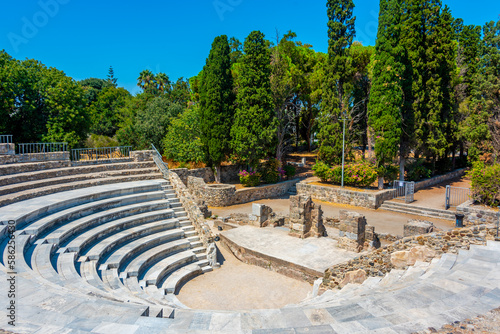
(484, 183)
(249, 179)
(289, 171)
(269, 171)
(416, 171)
(360, 175)
(322, 171)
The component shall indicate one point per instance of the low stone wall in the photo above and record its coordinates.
(361, 198)
(7, 148)
(475, 215)
(193, 211)
(378, 262)
(440, 178)
(33, 157)
(268, 191)
(271, 263)
(23, 168)
(211, 194)
(144, 155)
(226, 195)
(204, 173)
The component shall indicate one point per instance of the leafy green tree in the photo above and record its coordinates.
(68, 117)
(181, 92)
(254, 129)
(386, 97)
(153, 121)
(217, 104)
(105, 111)
(236, 50)
(335, 103)
(182, 142)
(92, 87)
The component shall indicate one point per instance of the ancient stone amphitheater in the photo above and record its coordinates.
(103, 249)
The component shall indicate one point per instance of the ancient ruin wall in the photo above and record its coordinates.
(365, 199)
(378, 262)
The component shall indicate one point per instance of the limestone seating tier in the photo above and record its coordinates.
(18, 173)
(46, 190)
(417, 210)
(30, 210)
(26, 167)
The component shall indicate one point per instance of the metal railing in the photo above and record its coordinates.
(100, 153)
(5, 139)
(32, 148)
(159, 161)
(404, 190)
(456, 196)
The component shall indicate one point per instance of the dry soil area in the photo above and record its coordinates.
(239, 286)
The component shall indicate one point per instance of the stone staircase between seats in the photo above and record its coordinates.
(410, 209)
(28, 180)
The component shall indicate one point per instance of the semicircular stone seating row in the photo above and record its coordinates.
(129, 241)
(109, 259)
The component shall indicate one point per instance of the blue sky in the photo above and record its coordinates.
(83, 38)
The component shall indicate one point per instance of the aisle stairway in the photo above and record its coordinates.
(28, 180)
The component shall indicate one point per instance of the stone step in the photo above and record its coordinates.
(51, 181)
(144, 260)
(42, 225)
(100, 232)
(42, 191)
(180, 276)
(62, 233)
(30, 210)
(26, 167)
(34, 175)
(104, 246)
(419, 212)
(155, 274)
(121, 256)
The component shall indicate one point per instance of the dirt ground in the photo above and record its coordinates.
(488, 323)
(255, 287)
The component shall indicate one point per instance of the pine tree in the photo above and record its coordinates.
(216, 104)
(254, 129)
(334, 105)
(111, 76)
(386, 96)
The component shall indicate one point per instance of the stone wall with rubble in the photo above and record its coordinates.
(306, 217)
(361, 198)
(193, 211)
(268, 191)
(378, 262)
(33, 157)
(475, 214)
(212, 194)
(7, 148)
(144, 155)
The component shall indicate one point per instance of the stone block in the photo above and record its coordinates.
(354, 276)
(402, 259)
(417, 227)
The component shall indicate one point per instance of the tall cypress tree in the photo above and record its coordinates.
(216, 104)
(254, 129)
(341, 32)
(386, 96)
